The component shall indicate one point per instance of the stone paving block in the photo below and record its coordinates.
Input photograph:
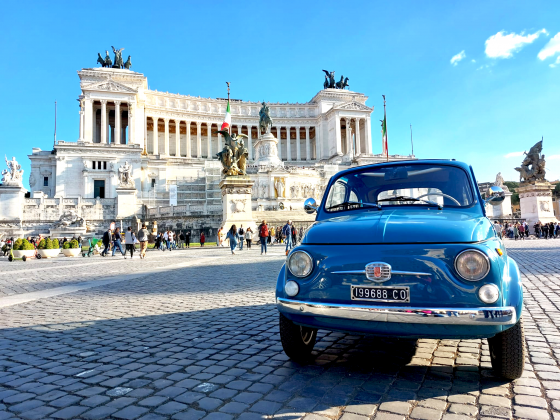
(37, 413)
(398, 407)
(99, 413)
(70, 412)
(530, 413)
(130, 412)
(190, 414)
(209, 404)
(423, 413)
(464, 409)
(170, 408)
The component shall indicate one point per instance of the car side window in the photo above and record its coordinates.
(337, 194)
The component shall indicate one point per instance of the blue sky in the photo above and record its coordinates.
(497, 98)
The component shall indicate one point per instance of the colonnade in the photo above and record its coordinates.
(354, 135)
(195, 139)
(106, 122)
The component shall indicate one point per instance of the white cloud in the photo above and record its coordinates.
(503, 45)
(551, 48)
(555, 63)
(458, 57)
(473, 61)
(552, 157)
(513, 154)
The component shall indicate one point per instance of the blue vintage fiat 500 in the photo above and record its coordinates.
(404, 249)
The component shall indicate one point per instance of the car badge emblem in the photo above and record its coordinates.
(378, 271)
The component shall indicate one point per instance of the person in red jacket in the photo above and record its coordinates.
(202, 239)
(263, 235)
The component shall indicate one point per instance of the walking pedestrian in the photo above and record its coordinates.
(170, 240)
(287, 234)
(294, 235)
(202, 239)
(143, 239)
(249, 237)
(106, 241)
(117, 242)
(129, 239)
(233, 237)
(263, 235)
(220, 239)
(181, 240)
(188, 239)
(242, 236)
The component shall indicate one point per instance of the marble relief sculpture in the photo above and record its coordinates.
(14, 174)
(279, 186)
(533, 166)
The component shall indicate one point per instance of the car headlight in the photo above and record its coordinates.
(472, 265)
(300, 263)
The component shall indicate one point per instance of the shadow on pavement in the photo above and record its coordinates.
(227, 354)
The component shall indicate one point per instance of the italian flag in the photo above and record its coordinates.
(384, 135)
(227, 120)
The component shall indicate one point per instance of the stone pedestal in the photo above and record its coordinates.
(11, 202)
(236, 203)
(501, 211)
(536, 202)
(126, 203)
(69, 232)
(266, 149)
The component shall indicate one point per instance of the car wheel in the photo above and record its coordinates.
(507, 351)
(297, 341)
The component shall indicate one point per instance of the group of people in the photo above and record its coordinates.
(267, 235)
(521, 231)
(113, 239)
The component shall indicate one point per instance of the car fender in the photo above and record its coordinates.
(512, 288)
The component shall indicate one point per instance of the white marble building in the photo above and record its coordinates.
(170, 139)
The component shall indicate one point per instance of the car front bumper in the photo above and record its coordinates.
(400, 314)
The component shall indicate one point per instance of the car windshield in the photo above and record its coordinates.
(401, 185)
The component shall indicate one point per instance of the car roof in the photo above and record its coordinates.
(446, 162)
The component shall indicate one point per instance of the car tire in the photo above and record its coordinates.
(297, 341)
(507, 351)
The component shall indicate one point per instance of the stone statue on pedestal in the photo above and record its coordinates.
(14, 174)
(125, 176)
(533, 166)
(119, 64)
(265, 122)
(234, 155)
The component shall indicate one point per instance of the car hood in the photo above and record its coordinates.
(426, 225)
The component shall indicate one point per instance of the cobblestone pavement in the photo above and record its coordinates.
(193, 335)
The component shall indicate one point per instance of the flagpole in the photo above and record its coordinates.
(385, 118)
(55, 122)
(229, 128)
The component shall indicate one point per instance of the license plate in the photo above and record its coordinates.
(380, 293)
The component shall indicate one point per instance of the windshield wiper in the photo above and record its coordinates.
(347, 203)
(404, 198)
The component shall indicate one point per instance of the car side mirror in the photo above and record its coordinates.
(310, 206)
(495, 196)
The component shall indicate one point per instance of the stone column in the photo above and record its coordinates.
(250, 141)
(298, 144)
(178, 138)
(156, 144)
(81, 134)
(307, 144)
(209, 127)
(288, 144)
(279, 137)
(338, 136)
(89, 119)
(166, 137)
(367, 136)
(104, 139)
(118, 122)
(131, 131)
(358, 145)
(188, 139)
(198, 139)
(348, 138)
